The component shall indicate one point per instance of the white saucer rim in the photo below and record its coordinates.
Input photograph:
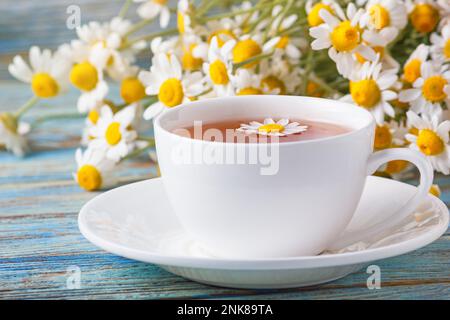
(304, 262)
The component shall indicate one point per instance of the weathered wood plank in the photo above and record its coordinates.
(39, 237)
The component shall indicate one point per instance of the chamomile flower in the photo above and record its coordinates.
(279, 128)
(150, 9)
(93, 169)
(280, 23)
(12, 134)
(390, 134)
(244, 18)
(432, 140)
(378, 41)
(47, 72)
(112, 132)
(168, 46)
(430, 91)
(285, 45)
(132, 90)
(440, 49)
(224, 29)
(412, 67)
(219, 67)
(279, 77)
(87, 73)
(343, 35)
(106, 40)
(423, 14)
(370, 89)
(247, 47)
(382, 14)
(194, 52)
(184, 10)
(313, 9)
(173, 87)
(249, 83)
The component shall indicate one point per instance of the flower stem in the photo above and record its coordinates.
(27, 106)
(137, 152)
(150, 37)
(252, 59)
(124, 10)
(138, 26)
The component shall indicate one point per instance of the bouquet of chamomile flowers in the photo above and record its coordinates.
(391, 57)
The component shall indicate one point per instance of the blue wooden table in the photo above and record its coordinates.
(39, 204)
(39, 237)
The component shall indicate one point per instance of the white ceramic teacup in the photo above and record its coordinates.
(235, 210)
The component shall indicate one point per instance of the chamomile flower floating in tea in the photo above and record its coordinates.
(46, 74)
(370, 89)
(112, 132)
(430, 91)
(271, 128)
(150, 9)
(432, 140)
(94, 169)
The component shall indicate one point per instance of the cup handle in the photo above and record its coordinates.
(374, 162)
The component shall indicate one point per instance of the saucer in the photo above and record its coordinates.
(137, 222)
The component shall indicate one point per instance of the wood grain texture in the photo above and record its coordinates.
(39, 203)
(39, 237)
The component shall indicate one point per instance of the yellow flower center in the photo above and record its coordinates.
(411, 71)
(314, 18)
(424, 17)
(44, 86)
(218, 73)
(249, 91)
(435, 191)
(222, 35)
(171, 92)
(396, 166)
(345, 37)
(190, 63)
(180, 23)
(282, 44)
(271, 128)
(89, 178)
(447, 49)
(379, 16)
(313, 89)
(132, 90)
(383, 137)
(430, 143)
(161, 2)
(93, 116)
(113, 135)
(365, 93)
(84, 76)
(433, 89)
(274, 83)
(245, 50)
